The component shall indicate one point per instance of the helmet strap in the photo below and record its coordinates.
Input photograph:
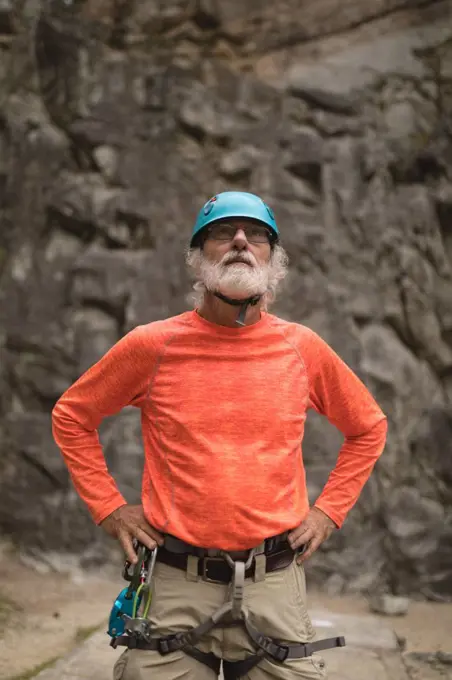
(243, 304)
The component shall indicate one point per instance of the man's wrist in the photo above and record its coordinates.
(113, 513)
(331, 522)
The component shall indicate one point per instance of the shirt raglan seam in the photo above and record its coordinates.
(302, 362)
(148, 401)
(305, 372)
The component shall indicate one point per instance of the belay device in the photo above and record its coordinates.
(130, 626)
(124, 617)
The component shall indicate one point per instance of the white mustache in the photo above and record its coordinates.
(232, 258)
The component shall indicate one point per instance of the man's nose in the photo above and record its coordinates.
(240, 241)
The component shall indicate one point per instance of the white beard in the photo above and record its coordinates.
(237, 281)
(234, 280)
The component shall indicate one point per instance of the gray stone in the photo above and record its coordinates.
(107, 160)
(443, 201)
(359, 66)
(327, 100)
(95, 653)
(238, 164)
(47, 514)
(294, 25)
(200, 116)
(106, 278)
(6, 17)
(389, 605)
(63, 245)
(415, 522)
(304, 154)
(71, 206)
(432, 439)
(31, 435)
(340, 564)
(428, 665)
(387, 361)
(352, 664)
(208, 15)
(95, 332)
(367, 632)
(330, 124)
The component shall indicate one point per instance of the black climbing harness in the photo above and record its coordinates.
(130, 627)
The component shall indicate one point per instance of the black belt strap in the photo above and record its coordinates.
(177, 545)
(217, 570)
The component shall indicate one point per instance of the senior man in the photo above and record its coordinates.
(224, 390)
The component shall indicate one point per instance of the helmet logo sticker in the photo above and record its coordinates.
(209, 205)
(270, 211)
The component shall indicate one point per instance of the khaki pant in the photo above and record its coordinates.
(276, 606)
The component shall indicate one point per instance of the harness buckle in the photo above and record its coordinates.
(276, 650)
(282, 653)
(205, 568)
(163, 646)
(171, 643)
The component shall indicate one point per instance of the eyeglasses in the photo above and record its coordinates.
(225, 232)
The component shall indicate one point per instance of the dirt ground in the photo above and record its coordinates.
(44, 615)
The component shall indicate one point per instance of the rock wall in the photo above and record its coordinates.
(118, 119)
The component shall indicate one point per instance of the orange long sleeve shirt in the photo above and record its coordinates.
(223, 413)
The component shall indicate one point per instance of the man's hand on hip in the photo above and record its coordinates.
(312, 531)
(128, 522)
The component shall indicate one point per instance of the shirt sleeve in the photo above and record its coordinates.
(120, 378)
(336, 392)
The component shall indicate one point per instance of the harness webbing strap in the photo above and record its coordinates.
(171, 643)
(233, 670)
(207, 658)
(238, 587)
(276, 650)
(280, 652)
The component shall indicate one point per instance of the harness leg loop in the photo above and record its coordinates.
(234, 670)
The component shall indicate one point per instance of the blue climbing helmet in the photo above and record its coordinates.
(230, 204)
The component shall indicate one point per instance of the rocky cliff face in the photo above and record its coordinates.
(118, 119)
